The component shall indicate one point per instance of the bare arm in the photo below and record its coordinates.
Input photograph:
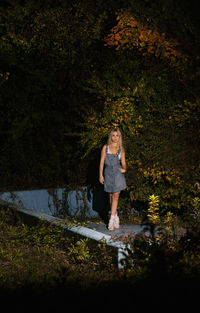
(123, 162)
(101, 165)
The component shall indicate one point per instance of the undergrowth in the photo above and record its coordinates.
(45, 255)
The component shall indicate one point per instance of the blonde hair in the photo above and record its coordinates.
(120, 138)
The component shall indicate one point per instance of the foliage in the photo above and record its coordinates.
(116, 112)
(70, 71)
(168, 252)
(42, 256)
(130, 34)
(196, 210)
(159, 94)
(152, 212)
(48, 51)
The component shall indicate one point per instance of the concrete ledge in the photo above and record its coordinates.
(120, 247)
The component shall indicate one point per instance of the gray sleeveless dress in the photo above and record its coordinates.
(114, 180)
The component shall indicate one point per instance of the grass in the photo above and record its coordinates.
(42, 261)
(39, 255)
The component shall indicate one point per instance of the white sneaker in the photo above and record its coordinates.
(111, 223)
(116, 222)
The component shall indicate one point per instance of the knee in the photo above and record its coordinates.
(116, 196)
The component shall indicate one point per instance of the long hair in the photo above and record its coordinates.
(120, 138)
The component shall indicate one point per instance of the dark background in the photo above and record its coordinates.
(51, 53)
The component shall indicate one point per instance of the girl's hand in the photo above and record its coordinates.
(122, 170)
(101, 179)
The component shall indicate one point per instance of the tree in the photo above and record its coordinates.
(161, 101)
(48, 49)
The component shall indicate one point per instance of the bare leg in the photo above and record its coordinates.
(114, 219)
(114, 202)
(110, 198)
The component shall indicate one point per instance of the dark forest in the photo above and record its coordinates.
(72, 70)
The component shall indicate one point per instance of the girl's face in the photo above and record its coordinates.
(115, 137)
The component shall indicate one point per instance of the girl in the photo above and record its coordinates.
(113, 157)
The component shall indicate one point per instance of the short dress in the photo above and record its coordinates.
(114, 180)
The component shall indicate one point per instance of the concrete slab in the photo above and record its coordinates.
(87, 232)
(125, 230)
(54, 201)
